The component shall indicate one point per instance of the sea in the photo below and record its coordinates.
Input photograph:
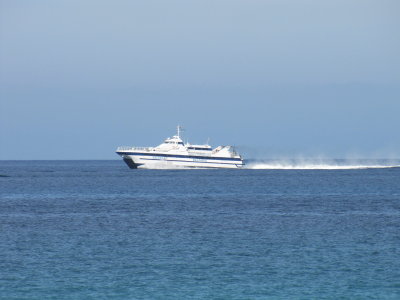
(274, 230)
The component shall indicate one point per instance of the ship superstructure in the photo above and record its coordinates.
(173, 153)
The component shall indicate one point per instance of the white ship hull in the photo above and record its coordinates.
(173, 153)
(163, 161)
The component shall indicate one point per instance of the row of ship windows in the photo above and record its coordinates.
(194, 148)
(180, 143)
(191, 148)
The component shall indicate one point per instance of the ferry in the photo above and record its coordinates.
(173, 153)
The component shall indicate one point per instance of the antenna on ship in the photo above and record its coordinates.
(179, 129)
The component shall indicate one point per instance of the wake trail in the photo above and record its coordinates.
(316, 166)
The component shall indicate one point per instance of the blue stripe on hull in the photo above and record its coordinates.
(197, 162)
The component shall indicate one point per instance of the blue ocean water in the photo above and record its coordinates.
(98, 230)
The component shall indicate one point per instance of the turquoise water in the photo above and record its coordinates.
(98, 230)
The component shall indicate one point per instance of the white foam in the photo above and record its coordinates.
(293, 165)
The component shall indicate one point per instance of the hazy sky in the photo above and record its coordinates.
(274, 77)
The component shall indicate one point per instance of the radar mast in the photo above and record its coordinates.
(179, 128)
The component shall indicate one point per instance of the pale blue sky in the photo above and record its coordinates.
(274, 77)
